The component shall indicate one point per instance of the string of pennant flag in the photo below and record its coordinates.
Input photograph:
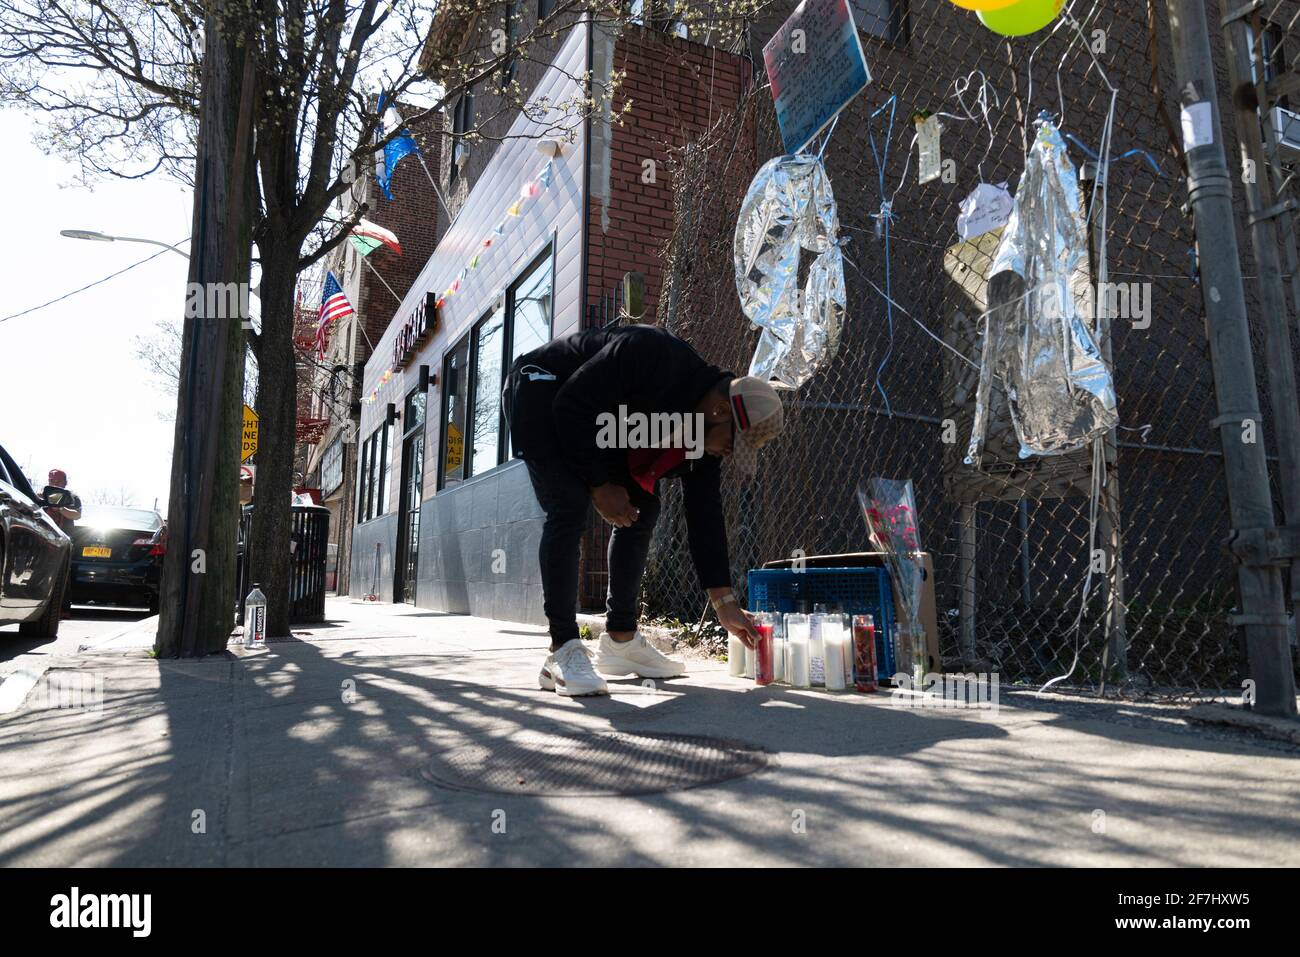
(529, 192)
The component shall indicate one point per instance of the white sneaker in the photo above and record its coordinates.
(635, 657)
(568, 672)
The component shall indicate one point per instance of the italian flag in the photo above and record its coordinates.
(368, 237)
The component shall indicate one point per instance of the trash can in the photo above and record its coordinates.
(309, 534)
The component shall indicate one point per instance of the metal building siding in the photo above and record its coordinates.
(555, 215)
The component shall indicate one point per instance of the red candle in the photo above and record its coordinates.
(763, 671)
(864, 652)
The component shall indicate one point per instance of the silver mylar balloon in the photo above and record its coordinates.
(1037, 340)
(789, 208)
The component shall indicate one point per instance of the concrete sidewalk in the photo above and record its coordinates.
(338, 747)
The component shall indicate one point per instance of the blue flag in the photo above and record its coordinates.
(399, 146)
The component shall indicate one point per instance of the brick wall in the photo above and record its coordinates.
(677, 89)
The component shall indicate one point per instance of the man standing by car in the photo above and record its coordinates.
(65, 516)
(33, 555)
(562, 399)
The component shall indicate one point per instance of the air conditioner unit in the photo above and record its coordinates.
(1286, 127)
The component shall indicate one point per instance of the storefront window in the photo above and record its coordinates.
(489, 346)
(530, 309)
(376, 464)
(387, 452)
(455, 377)
(363, 485)
(376, 502)
(413, 416)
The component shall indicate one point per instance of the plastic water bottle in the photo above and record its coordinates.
(255, 618)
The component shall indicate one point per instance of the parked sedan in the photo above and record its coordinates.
(117, 556)
(33, 554)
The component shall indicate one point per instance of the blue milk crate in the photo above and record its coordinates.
(858, 591)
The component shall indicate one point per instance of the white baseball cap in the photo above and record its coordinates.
(758, 416)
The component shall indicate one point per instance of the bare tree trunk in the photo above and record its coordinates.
(198, 587)
(277, 408)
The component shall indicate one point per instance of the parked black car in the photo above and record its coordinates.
(117, 556)
(34, 554)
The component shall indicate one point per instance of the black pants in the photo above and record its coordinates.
(566, 500)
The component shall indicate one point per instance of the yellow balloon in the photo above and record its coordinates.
(1021, 18)
(983, 4)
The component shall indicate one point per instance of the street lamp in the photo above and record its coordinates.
(99, 237)
(105, 238)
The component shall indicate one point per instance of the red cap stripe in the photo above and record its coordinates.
(742, 417)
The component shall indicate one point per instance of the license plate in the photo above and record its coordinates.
(96, 551)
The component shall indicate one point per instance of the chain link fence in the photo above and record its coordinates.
(1011, 540)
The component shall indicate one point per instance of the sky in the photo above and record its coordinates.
(73, 394)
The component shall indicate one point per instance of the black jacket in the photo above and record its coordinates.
(646, 370)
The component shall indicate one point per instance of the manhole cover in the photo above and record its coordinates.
(609, 763)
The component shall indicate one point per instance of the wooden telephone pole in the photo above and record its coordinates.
(198, 588)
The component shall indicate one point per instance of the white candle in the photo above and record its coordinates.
(735, 656)
(816, 650)
(796, 637)
(832, 634)
(846, 623)
(751, 662)
(778, 649)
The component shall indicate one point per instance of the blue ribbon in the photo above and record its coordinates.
(1092, 154)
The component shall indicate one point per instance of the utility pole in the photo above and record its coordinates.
(198, 588)
(1250, 504)
(1247, 75)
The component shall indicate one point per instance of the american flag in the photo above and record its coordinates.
(333, 305)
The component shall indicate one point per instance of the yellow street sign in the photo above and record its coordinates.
(249, 443)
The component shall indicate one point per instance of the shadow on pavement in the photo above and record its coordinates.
(13, 644)
(284, 767)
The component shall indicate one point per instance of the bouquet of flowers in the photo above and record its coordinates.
(889, 508)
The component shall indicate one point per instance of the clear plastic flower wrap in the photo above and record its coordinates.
(889, 508)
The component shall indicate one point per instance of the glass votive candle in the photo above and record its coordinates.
(735, 656)
(796, 638)
(816, 649)
(833, 651)
(864, 652)
(846, 625)
(764, 668)
(779, 652)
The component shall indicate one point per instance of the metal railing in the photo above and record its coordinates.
(308, 542)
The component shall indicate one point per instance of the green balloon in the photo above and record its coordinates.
(1023, 18)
